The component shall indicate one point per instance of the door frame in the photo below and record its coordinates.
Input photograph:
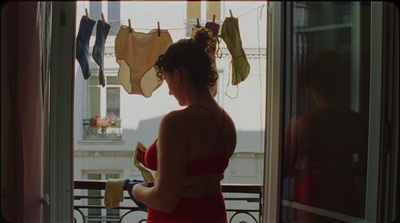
(275, 68)
(375, 110)
(62, 82)
(273, 125)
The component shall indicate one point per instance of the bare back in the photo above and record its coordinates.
(203, 131)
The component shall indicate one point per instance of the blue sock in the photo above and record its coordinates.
(98, 49)
(128, 186)
(82, 45)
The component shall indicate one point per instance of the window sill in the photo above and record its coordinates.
(101, 142)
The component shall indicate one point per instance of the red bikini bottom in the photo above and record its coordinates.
(208, 209)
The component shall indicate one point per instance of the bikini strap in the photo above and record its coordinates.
(220, 128)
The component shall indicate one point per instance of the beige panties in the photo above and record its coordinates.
(136, 53)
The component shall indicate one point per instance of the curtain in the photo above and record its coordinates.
(24, 99)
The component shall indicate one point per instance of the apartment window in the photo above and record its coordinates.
(103, 104)
(202, 11)
(114, 17)
(103, 101)
(111, 12)
(95, 9)
(113, 97)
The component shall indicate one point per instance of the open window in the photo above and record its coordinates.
(102, 148)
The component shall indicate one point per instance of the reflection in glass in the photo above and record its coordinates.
(326, 133)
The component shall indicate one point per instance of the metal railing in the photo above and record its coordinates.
(100, 132)
(245, 198)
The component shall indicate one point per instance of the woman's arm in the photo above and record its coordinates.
(172, 150)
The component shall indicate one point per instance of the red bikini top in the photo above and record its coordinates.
(210, 164)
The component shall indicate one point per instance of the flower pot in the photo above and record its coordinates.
(99, 123)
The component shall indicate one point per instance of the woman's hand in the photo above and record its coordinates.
(140, 155)
(148, 184)
(136, 190)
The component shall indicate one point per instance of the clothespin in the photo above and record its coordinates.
(87, 15)
(212, 25)
(130, 26)
(198, 23)
(104, 20)
(158, 26)
(230, 11)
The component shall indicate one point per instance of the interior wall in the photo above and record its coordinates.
(21, 114)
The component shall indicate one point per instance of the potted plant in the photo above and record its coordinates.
(99, 122)
(113, 118)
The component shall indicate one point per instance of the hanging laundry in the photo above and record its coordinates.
(82, 45)
(136, 53)
(98, 49)
(114, 193)
(213, 28)
(231, 35)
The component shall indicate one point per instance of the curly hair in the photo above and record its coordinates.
(191, 56)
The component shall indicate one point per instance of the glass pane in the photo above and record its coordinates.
(95, 9)
(296, 215)
(114, 17)
(193, 11)
(112, 176)
(114, 10)
(326, 111)
(113, 101)
(94, 101)
(112, 81)
(93, 80)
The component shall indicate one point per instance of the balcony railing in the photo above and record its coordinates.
(110, 131)
(243, 204)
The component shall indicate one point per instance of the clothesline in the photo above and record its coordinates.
(115, 29)
(86, 30)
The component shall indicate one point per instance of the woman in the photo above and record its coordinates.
(194, 144)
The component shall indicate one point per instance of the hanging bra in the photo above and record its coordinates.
(210, 164)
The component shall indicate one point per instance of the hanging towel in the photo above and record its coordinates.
(114, 192)
(147, 176)
(136, 53)
(214, 28)
(98, 48)
(231, 35)
(82, 45)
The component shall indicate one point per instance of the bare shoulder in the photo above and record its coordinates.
(174, 121)
(175, 116)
